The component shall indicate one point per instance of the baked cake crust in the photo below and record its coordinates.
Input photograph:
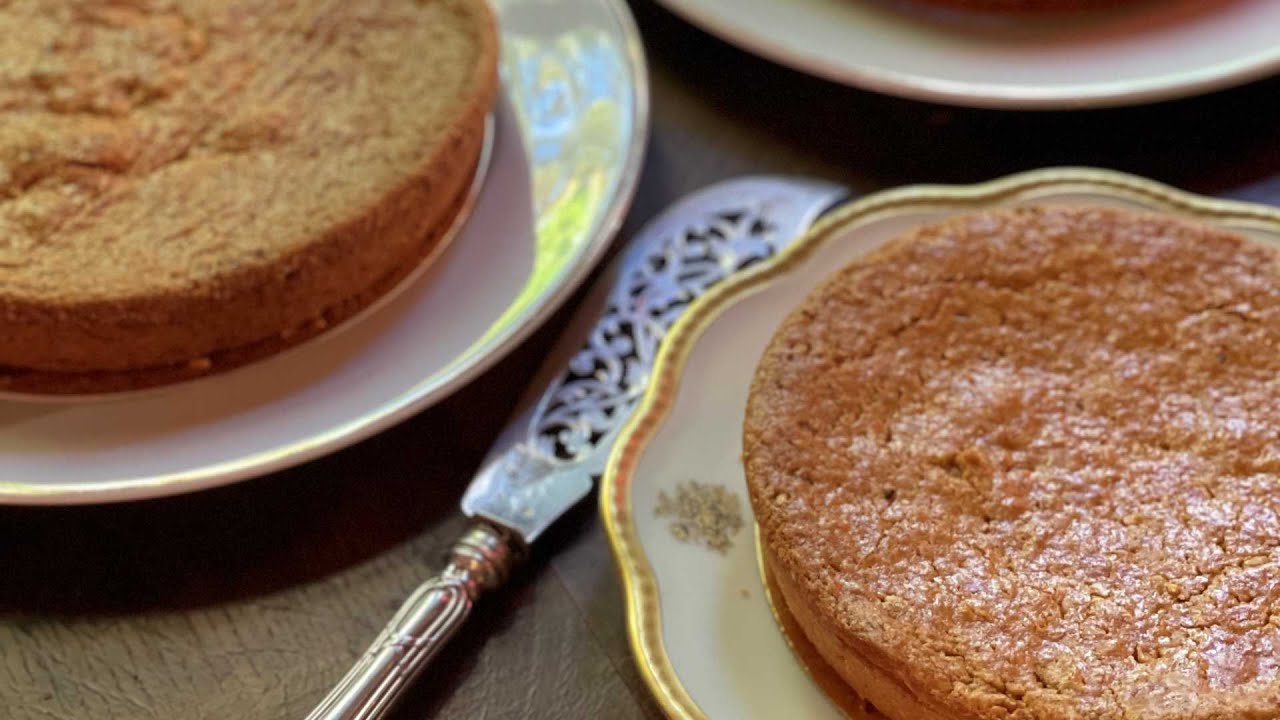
(183, 181)
(1026, 464)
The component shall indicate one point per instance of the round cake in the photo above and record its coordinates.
(1026, 464)
(186, 185)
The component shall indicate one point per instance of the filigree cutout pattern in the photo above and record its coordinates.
(556, 450)
(607, 377)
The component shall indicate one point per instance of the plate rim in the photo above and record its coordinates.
(993, 96)
(466, 367)
(642, 599)
(538, 311)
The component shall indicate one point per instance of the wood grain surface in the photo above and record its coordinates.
(250, 601)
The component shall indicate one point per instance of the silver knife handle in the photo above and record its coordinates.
(481, 560)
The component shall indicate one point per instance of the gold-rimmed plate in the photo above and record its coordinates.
(699, 620)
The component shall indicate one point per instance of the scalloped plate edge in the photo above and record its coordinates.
(643, 602)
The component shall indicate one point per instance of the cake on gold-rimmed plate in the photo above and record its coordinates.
(702, 626)
(187, 186)
(1024, 463)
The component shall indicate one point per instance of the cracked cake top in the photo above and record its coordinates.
(1027, 463)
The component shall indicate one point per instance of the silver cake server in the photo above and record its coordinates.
(555, 447)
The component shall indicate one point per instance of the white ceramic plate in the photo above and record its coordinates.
(699, 622)
(569, 138)
(1145, 51)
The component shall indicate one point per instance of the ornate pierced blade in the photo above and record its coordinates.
(551, 453)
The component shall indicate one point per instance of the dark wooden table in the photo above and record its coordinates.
(249, 601)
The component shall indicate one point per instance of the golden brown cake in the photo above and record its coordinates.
(189, 184)
(1026, 464)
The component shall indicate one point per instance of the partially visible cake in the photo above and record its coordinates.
(189, 184)
(1029, 5)
(1025, 464)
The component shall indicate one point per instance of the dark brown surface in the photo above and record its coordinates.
(249, 601)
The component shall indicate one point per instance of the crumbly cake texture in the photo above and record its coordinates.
(851, 704)
(1026, 464)
(38, 382)
(182, 181)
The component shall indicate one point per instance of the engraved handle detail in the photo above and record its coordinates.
(480, 561)
(551, 453)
